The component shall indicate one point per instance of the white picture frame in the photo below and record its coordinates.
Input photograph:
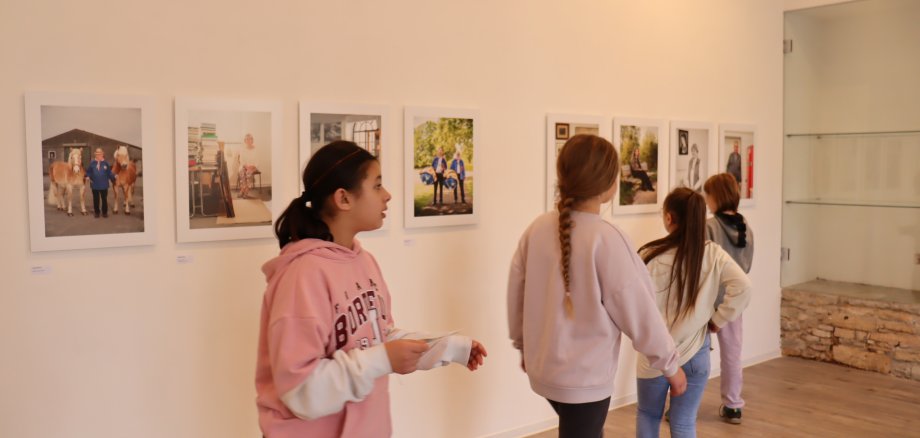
(380, 145)
(419, 212)
(658, 174)
(703, 136)
(746, 135)
(89, 121)
(243, 127)
(559, 128)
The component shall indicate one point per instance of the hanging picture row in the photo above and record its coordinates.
(656, 155)
(93, 174)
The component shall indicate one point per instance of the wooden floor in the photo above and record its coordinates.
(791, 397)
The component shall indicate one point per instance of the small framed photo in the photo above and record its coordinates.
(365, 125)
(562, 131)
(228, 165)
(683, 136)
(440, 167)
(642, 146)
(692, 169)
(579, 124)
(736, 157)
(91, 170)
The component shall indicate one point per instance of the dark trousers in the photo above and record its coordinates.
(643, 176)
(462, 192)
(438, 183)
(104, 195)
(582, 420)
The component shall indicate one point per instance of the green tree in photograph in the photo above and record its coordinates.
(648, 146)
(629, 139)
(446, 133)
(648, 151)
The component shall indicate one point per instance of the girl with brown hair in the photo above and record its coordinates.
(687, 272)
(575, 284)
(730, 230)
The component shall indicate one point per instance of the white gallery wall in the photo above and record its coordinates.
(853, 68)
(128, 342)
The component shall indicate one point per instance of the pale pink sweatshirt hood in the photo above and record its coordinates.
(320, 248)
(321, 367)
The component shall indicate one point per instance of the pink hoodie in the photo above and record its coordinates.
(322, 367)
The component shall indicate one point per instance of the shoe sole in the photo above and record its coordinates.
(728, 419)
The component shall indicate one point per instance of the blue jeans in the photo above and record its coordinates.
(652, 394)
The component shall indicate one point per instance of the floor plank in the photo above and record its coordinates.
(792, 397)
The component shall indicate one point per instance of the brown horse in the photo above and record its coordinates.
(64, 177)
(125, 172)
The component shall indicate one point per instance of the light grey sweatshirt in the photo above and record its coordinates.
(726, 232)
(575, 360)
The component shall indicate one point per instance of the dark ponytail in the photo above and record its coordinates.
(338, 165)
(688, 213)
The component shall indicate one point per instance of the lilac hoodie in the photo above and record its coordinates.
(575, 360)
(322, 367)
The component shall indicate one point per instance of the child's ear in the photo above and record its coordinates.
(342, 200)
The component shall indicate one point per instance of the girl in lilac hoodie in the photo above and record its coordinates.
(730, 230)
(576, 283)
(327, 339)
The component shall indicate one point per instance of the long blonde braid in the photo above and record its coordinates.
(566, 224)
(585, 167)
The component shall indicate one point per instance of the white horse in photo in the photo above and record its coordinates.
(125, 172)
(64, 177)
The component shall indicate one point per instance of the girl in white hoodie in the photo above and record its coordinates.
(576, 283)
(687, 271)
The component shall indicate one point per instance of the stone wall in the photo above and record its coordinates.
(879, 336)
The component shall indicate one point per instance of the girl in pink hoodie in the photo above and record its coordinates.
(576, 284)
(327, 339)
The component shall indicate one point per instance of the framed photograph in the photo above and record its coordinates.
(562, 131)
(440, 169)
(642, 146)
(578, 124)
(228, 161)
(682, 142)
(736, 156)
(692, 169)
(366, 125)
(89, 158)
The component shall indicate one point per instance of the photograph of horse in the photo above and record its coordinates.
(125, 172)
(65, 177)
(89, 146)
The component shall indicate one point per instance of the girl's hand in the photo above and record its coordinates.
(404, 354)
(477, 352)
(678, 383)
